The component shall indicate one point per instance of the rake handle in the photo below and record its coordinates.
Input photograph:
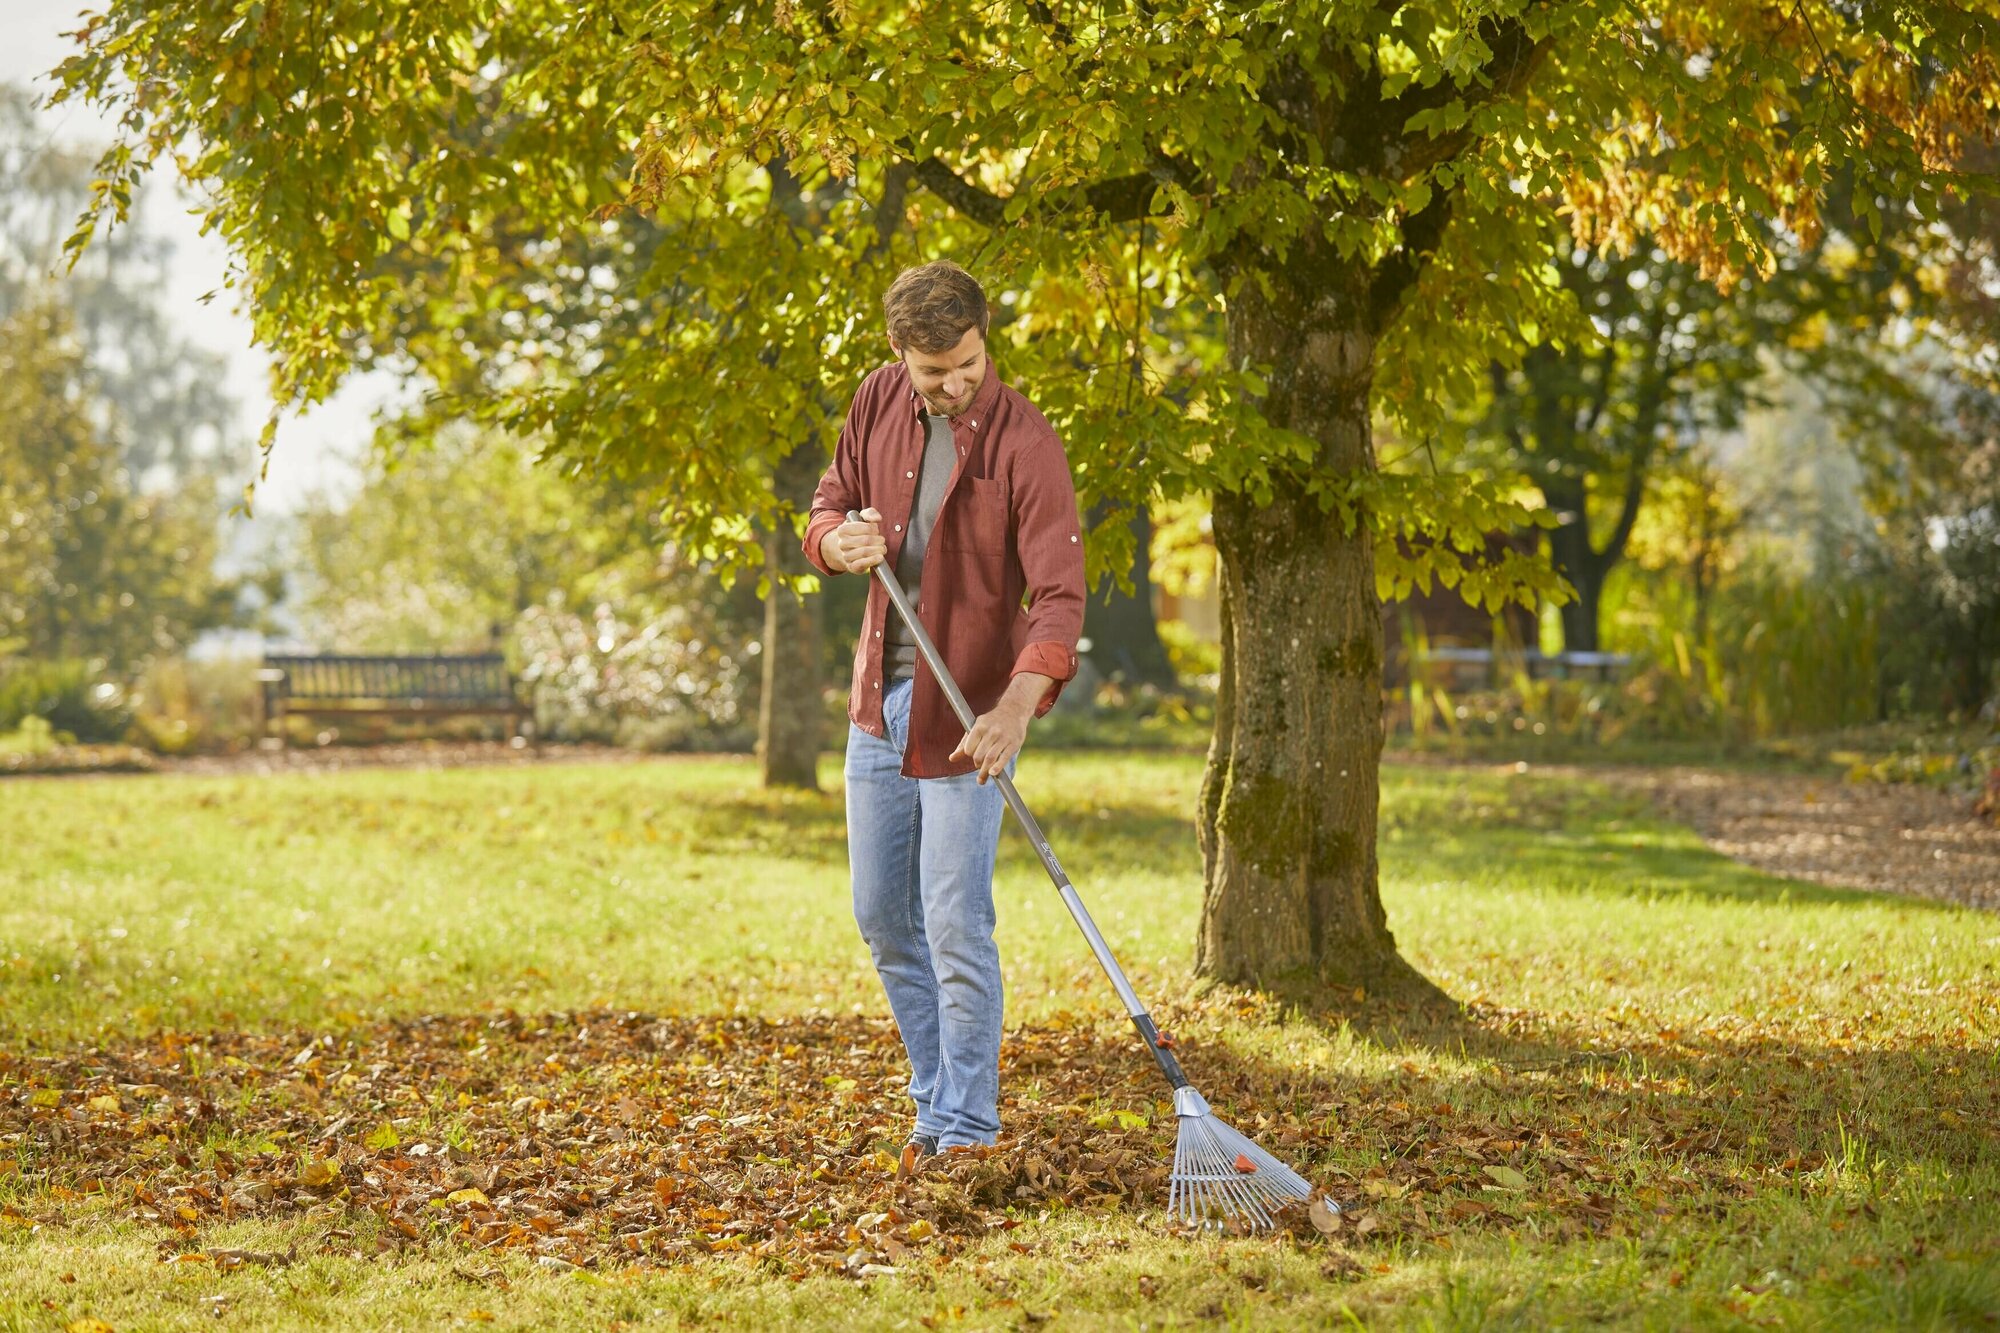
(1162, 1054)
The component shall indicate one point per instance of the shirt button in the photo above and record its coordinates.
(1072, 536)
(878, 633)
(909, 474)
(899, 528)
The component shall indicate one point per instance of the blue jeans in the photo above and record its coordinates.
(921, 851)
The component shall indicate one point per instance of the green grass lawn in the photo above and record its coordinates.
(1686, 1094)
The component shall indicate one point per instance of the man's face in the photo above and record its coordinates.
(947, 380)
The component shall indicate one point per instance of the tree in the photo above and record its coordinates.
(1666, 359)
(90, 567)
(452, 535)
(175, 418)
(1362, 189)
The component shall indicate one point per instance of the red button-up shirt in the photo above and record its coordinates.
(1007, 527)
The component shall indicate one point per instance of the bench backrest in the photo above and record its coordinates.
(481, 677)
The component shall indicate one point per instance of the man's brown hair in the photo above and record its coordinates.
(930, 307)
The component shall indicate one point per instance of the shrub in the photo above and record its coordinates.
(664, 679)
(181, 706)
(67, 695)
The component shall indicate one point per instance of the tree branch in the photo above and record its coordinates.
(1602, 398)
(1397, 273)
(1516, 56)
(889, 213)
(1119, 199)
(1652, 396)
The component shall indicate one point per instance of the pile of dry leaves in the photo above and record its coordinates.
(603, 1137)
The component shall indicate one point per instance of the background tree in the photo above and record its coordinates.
(177, 417)
(90, 567)
(451, 537)
(1359, 188)
(1667, 361)
(458, 541)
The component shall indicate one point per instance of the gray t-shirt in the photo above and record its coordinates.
(933, 475)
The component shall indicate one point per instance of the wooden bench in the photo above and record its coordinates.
(315, 685)
(1474, 668)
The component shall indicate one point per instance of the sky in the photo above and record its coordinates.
(316, 451)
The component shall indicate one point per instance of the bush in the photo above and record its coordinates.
(67, 695)
(665, 678)
(37, 747)
(181, 706)
(1194, 658)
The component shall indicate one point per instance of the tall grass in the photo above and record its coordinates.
(1770, 654)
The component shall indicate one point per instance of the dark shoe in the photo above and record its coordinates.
(919, 1147)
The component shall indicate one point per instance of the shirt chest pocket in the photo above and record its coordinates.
(977, 517)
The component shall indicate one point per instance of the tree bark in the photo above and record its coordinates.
(1289, 799)
(1585, 568)
(1124, 633)
(789, 721)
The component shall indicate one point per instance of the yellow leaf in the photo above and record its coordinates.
(1024, 84)
(106, 1102)
(1507, 1177)
(385, 1137)
(468, 1196)
(316, 1174)
(922, 1230)
(88, 1326)
(1119, 1120)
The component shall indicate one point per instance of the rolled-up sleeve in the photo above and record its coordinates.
(839, 490)
(1049, 541)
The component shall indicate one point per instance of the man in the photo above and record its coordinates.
(964, 489)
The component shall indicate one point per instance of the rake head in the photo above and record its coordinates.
(1220, 1176)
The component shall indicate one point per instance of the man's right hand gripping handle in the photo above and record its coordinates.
(856, 546)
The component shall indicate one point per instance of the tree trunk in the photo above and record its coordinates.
(1586, 575)
(789, 722)
(1124, 634)
(1288, 806)
(1576, 560)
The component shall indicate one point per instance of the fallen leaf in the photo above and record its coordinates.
(1325, 1217)
(1507, 1177)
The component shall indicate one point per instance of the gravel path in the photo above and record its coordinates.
(1891, 838)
